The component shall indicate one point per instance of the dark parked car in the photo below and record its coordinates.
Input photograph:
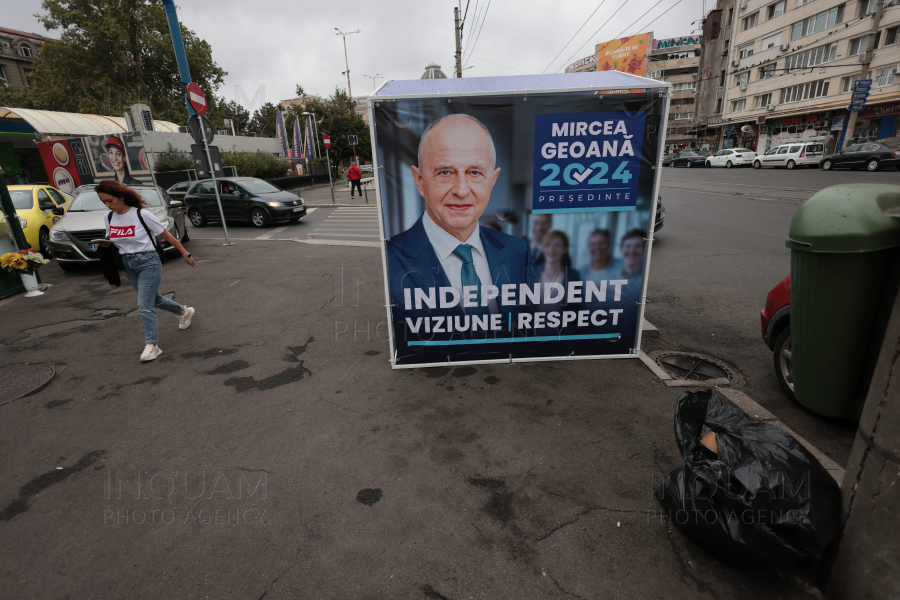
(871, 155)
(243, 199)
(775, 320)
(690, 158)
(660, 215)
(179, 190)
(86, 220)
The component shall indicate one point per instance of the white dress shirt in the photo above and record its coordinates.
(444, 244)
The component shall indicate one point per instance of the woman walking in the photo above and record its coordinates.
(130, 229)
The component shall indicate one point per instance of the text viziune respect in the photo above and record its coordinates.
(513, 295)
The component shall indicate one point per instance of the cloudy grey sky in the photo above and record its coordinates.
(268, 46)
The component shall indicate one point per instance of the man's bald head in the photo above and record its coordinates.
(456, 121)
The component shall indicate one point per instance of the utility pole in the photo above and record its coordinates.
(864, 72)
(458, 43)
(346, 62)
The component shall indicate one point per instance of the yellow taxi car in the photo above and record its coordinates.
(33, 204)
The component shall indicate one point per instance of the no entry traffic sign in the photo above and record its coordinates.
(327, 140)
(197, 98)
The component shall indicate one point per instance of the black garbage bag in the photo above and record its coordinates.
(762, 502)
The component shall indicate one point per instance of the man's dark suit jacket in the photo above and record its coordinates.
(413, 263)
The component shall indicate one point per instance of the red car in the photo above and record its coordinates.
(775, 319)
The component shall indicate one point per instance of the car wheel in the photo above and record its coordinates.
(872, 165)
(791, 164)
(784, 370)
(198, 219)
(44, 243)
(757, 164)
(67, 266)
(827, 165)
(728, 165)
(258, 218)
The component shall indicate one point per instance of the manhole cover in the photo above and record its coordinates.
(696, 366)
(20, 380)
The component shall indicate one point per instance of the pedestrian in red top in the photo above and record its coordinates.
(354, 175)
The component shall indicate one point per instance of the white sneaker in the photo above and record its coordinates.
(184, 321)
(150, 352)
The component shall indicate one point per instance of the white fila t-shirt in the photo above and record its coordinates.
(127, 233)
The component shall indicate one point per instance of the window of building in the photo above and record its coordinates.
(892, 36)
(885, 76)
(816, 23)
(654, 74)
(684, 116)
(722, 79)
(29, 76)
(772, 41)
(763, 100)
(26, 50)
(688, 85)
(746, 51)
(867, 7)
(802, 2)
(804, 91)
(861, 44)
(738, 105)
(751, 21)
(811, 57)
(847, 83)
(742, 78)
(730, 18)
(3, 80)
(718, 106)
(767, 71)
(777, 9)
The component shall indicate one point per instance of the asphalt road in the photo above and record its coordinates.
(720, 252)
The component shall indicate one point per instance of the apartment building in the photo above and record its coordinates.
(791, 65)
(713, 69)
(18, 52)
(677, 61)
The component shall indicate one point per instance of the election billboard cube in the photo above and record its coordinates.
(516, 214)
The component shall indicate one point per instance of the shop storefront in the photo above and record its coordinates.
(800, 128)
(879, 121)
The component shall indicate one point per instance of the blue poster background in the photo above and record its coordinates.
(587, 162)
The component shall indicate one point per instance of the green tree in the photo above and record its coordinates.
(337, 118)
(111, 54)
(220, 110)
(263, 122)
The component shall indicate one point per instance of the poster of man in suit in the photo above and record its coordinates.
(464, 186)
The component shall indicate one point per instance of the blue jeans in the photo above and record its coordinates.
(144, 272)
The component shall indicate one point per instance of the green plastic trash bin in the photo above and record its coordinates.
(845, 273)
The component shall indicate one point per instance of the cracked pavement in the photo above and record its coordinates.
(271, 452)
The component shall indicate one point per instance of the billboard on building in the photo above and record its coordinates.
(627, 54)
(515, 226)
(82, 160)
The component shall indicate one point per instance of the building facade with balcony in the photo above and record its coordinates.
(19, 50)
(677, 61)
(791, 66)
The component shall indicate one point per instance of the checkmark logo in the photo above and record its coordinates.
(580, 177)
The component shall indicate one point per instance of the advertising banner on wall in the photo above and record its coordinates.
(516, 224)
(628, 54)
(79, 161)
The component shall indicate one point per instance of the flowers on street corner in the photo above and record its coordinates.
(23, 261)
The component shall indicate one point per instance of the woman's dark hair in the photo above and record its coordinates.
(120, 190)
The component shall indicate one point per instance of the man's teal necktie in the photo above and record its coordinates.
(469, 277)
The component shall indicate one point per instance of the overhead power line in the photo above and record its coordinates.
(593, 34)
(480, 28)
(478, 7)
(573, 37)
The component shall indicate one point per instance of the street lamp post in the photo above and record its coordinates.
(373, 78)
(346, 62)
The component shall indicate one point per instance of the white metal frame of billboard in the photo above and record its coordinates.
(639, 82)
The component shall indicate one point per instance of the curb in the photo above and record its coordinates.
(748, 406)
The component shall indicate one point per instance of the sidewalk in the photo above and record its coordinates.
(272, 452)
(321, 196)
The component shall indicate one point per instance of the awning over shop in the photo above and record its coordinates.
(62, 124)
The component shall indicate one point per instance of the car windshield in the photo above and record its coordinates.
(258, 186)
(892, 144)
(22, 199)
(88, 200)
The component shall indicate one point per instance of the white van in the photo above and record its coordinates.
(792, 155)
